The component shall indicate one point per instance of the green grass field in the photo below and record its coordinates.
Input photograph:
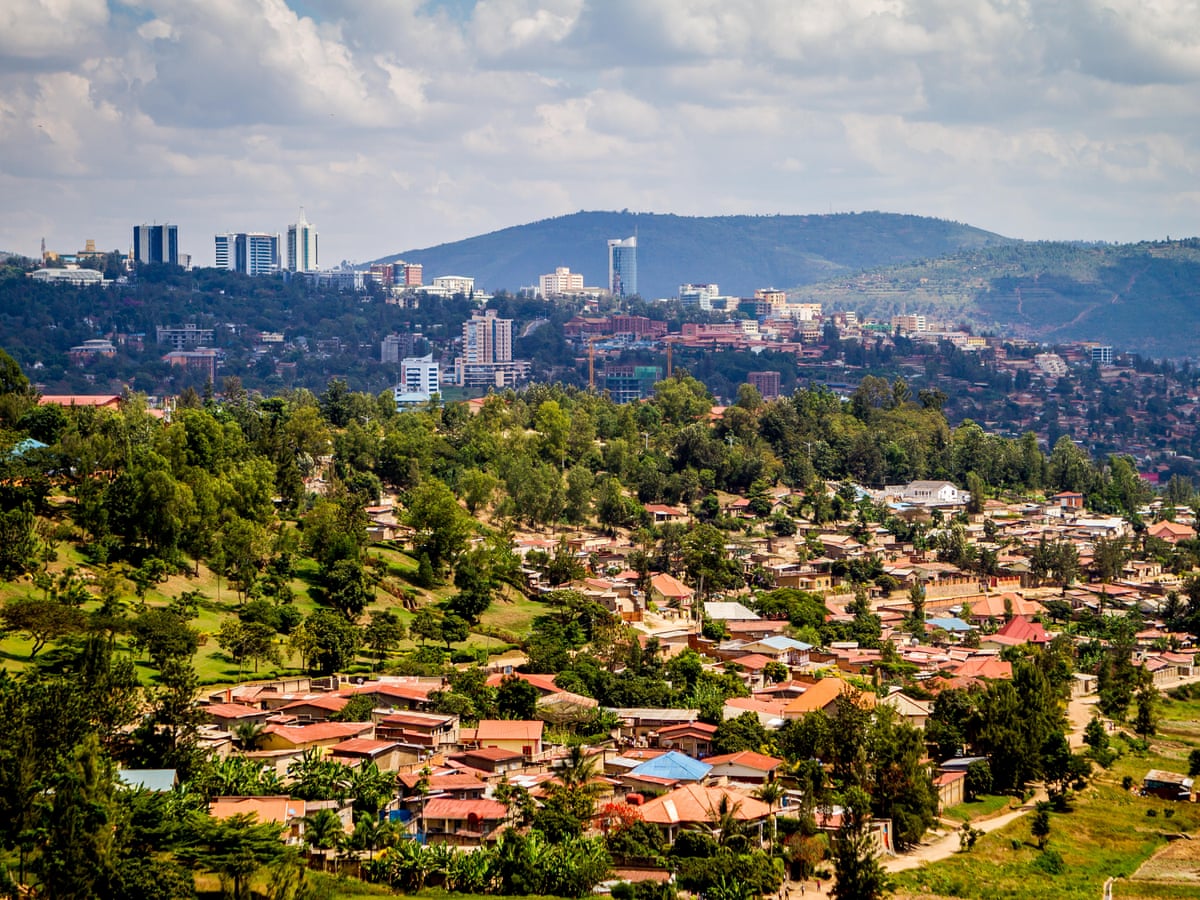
(983, 808)
(510, 612)
(1109, 832)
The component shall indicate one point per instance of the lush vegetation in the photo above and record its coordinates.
(1136, 296)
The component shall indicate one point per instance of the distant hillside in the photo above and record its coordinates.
(1140, 297)
(740, 253)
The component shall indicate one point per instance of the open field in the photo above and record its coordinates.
(1109, 832)
(983, 808)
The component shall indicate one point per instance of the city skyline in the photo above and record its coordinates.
(1066, 121)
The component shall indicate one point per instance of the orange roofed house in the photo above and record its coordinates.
(517, 736)
(322, 735)
(824, 695)
(284, 811)
(697, 805)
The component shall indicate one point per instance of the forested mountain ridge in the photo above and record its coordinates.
(740, 253)
(1138, 297)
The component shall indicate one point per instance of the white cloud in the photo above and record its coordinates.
(400, 123)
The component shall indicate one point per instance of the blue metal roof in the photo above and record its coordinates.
(157, 780)
(674, 765)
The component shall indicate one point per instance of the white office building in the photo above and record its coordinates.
(561, 281)
(699, 295)
(454, 285)
(302, 246)
(248, 252)
(420, 379)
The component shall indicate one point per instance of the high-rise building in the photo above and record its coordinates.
(251, 253)
(766, 383)
(302, 246)
(700, 295)
(561, 281)
(395, 347)
(487, 339)
(622, 266)
(257, 253)
(224, 253)
(156, 244)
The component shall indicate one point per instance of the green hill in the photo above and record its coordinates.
(1135, 296)
(740, 253)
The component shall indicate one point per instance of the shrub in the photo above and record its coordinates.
(1050, 862)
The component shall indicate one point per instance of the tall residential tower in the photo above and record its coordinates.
(302, 246)
(622, 266)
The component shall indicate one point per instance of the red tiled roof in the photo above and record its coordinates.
(1023, 629)
(670, 586)
(404, 690)
(495, 754)
(753, 661)
(319, 731)
(695, 803)
(449, 808)
(330, 702)
(984, 667)
(541, 682)
(455, 781)
(232, 711)
(506, 730)
(747, 758)
(361, 746)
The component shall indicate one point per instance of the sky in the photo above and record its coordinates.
(399, 124)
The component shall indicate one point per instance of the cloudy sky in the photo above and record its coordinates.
(404, 123)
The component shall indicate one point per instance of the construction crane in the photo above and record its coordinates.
(592, 360)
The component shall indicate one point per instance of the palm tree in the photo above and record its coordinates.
(368, 835)
(371, 788)
(770, 793)
(324, 831)
(725, 826)
(247, 735)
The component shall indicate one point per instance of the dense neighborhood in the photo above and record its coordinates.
(544, 643)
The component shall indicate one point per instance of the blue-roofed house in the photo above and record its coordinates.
(158, 781)
(781, 648)
(950, 624)
(20, 448)
(669, 769)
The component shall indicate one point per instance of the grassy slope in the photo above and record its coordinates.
(1107, 834)
(511, 612)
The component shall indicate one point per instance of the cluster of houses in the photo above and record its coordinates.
(659, 761)
(662, 761)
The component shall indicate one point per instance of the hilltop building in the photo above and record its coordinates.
(561, 281)
(302, 246)
(156, 244)
(486, 359)
(395, 347)
(248, 252)
(420, 380)
(183, 337)
(766, 383)
(453, 285)
(622, 266)
(700, 295)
